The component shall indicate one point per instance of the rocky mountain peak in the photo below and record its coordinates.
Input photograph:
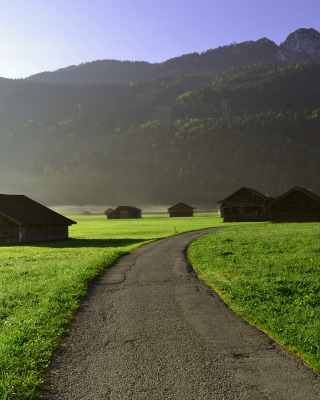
(303, 44)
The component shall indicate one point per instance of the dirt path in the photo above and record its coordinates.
(150, 330)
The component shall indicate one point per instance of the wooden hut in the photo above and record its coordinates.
(245, 204)
(87, 212)
(181, 210)
(24, 220)
(296, 205)
(109, 210)
(124, 212)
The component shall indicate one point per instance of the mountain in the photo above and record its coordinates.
(193, 139)
(302, 45)
(176, 136)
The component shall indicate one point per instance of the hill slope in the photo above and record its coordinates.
(192, 139)
(300, 46)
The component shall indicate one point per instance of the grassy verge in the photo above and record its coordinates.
(270, 275)
(41, 286)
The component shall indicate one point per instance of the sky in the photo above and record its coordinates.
(45, 35)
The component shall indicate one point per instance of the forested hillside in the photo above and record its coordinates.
(193, 139)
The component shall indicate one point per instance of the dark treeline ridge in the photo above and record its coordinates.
(194, 138)
(213, 60)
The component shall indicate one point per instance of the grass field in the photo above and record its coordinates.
(270, 275)
(42, 284)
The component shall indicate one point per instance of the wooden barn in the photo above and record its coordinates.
(245, 204)
(181, 210)
(296, 205)
(124, 212)
(24, 220)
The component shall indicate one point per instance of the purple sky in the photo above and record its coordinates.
(44, 35)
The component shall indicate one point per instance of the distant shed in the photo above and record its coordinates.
(124, 212)
(87, 213)
(296, 205)
(245, 204)
(109, 210)
(24, 220)
(181, 210)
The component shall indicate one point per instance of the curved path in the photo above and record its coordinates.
(150, 330)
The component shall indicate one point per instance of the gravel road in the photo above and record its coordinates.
(150, 330)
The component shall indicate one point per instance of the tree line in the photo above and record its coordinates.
(194, 138)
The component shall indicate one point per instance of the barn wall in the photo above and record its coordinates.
(296, 207)
(38, 233)
(296, 200)
(124, 213)
(9, 231)
(295, 217)
(181, 213)
(244, 214)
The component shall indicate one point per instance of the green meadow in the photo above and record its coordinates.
(42, 284)
(269, 273)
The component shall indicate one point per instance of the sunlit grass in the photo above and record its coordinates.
(268, 272)
(42, 284)
(270, 275)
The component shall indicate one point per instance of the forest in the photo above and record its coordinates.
(194, 138)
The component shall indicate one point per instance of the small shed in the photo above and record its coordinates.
(109, 210)
(24, 220)
(245, 204)
(296, 205)
(124, 212)
(181, 210)
(87, 212)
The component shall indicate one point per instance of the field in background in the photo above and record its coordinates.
(270, 275)
(42, 284)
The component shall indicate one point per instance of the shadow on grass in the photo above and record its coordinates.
(77, 243)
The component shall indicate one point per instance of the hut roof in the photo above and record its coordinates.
(233, 201)
(297, 189)
(126, 208)
(181, 206)
(22, 210)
